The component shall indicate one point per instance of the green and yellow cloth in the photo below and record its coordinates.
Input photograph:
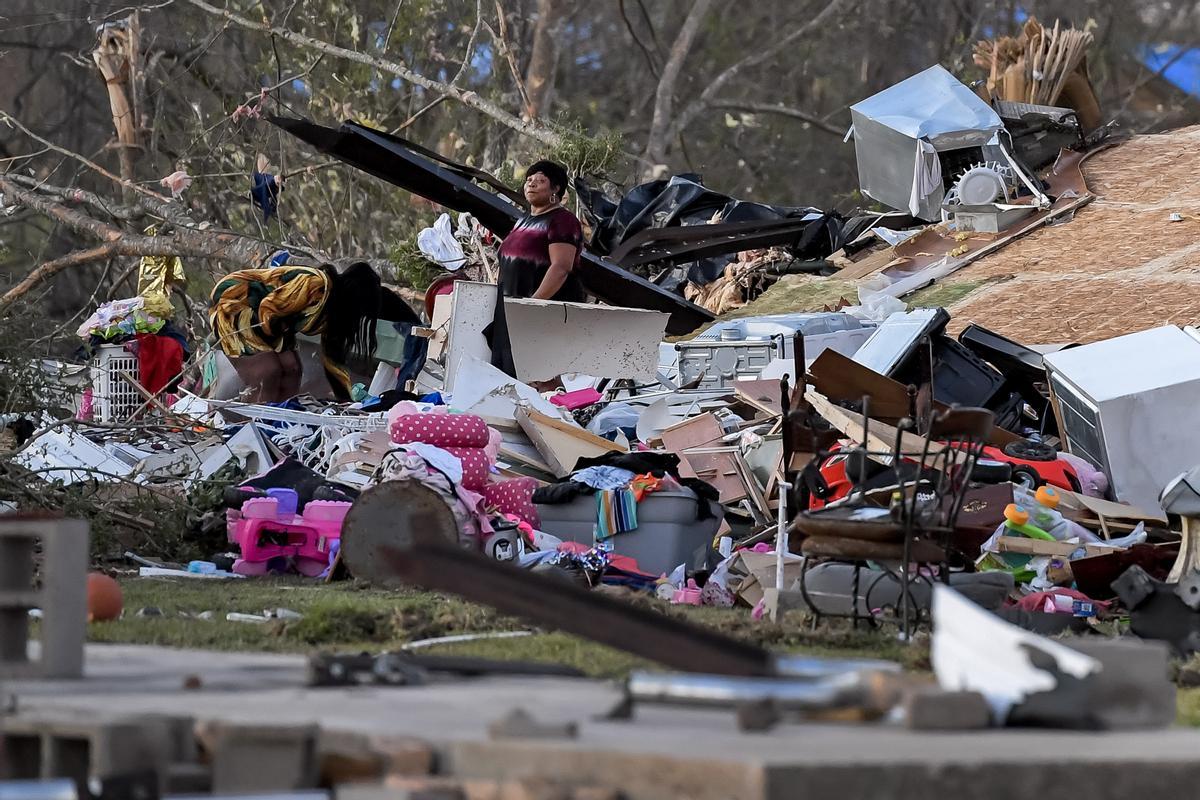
(263, 310)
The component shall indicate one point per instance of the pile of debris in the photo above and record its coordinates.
(855, 462)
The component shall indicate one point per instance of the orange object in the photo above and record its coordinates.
(1048, 496)
(1016, 515)
(643, 485)
(104, 598)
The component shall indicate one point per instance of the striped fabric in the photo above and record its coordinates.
(616, 512)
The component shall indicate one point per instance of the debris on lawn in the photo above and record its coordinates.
(858, 461)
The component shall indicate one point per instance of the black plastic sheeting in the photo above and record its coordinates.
(424, 173)
(683, 201)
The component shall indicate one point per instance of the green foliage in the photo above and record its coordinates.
(413, 269)
(585, 153)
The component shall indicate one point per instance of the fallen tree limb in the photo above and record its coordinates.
(530, 128)
(183, 242)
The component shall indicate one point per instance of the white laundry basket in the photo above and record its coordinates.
(114, 399)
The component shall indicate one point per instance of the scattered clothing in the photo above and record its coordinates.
(638, 463)
(644, 485)
(264, 193)
(603, 477)
(616, 513)
(160, 361)
(156, 276)
(561, 493)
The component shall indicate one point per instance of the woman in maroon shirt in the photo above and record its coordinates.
(539, 256)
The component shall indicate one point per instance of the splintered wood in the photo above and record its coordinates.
(1119, 266)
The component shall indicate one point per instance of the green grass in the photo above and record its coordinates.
(1187, 704)
(795, 293)
(349, 617)
(945, 294)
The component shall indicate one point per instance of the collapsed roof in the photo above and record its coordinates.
(425, 173)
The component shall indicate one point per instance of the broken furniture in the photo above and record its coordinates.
(741, 349)
(1123, 405)
(43, 565)
(424, 173)
(916, 520)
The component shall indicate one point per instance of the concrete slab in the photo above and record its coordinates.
(662, 752)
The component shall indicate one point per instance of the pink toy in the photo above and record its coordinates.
(580, 398)
(688, 596)
(264, 532)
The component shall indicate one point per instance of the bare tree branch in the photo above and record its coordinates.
(501, 40)
(664, 98)
(183, 242)
(531, 128)
(698, 106)
(783, 111)
(16, 123)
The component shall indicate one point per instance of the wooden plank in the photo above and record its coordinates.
(881, 260)
(842, 379)
(1039, 547)
(881, 437)
(560, 444)
(763, 395)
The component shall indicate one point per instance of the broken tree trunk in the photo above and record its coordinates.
(113, 57)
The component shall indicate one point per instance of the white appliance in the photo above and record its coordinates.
(1131, 406)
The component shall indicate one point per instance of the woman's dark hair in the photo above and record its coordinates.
(351, 311)
(555, 173)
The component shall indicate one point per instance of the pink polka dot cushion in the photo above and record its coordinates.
(441, 430)
(476, 466)
(514, 496)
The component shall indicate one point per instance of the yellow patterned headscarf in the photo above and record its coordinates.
(260, 310)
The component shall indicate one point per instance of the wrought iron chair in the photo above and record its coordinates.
(930, 482)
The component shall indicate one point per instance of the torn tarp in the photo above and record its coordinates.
(454, 186)
(710, 227)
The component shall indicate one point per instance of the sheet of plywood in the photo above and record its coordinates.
(550, 339)
(560, 443)
(440, 322)
(472, 307)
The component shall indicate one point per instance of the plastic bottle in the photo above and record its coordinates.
(1042, 506)
(1016, 519)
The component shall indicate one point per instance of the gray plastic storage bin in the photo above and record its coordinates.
(668, 533)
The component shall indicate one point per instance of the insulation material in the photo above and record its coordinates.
(550, 339)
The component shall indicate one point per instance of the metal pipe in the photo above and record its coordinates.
(60, 789)
(849, 689)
